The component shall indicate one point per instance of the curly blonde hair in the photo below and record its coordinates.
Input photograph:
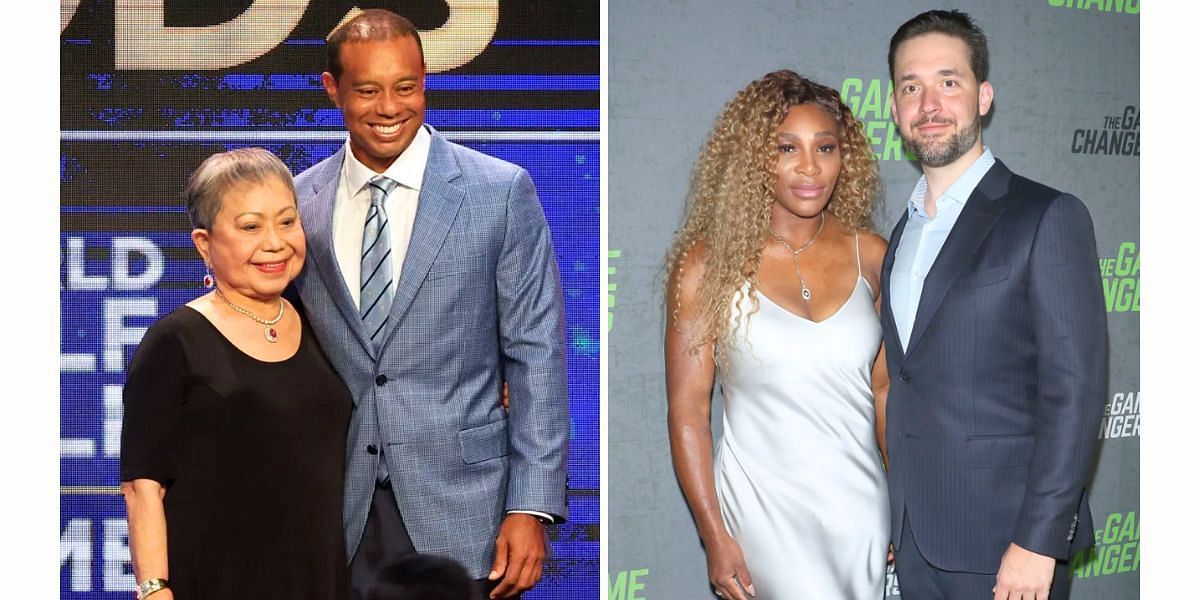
(732, 190)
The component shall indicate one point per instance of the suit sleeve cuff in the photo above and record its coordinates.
(1049, 539)
(545, 518)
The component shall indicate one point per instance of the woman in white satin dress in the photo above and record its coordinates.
(773, 294)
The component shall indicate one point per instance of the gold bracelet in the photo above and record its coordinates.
(150, 586)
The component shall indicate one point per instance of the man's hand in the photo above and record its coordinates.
(1023, 575)
(520, 550)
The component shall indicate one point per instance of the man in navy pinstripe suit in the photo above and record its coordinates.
(431, 282)
(994, 326)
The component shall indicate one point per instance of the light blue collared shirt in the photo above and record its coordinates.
(923, 238)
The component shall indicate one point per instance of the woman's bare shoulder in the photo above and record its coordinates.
(873, 247)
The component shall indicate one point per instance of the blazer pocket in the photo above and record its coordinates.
(982, 278)
(991, 451)
(484, 442)
(461, 266)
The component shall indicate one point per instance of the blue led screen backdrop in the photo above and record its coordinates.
(149, 88)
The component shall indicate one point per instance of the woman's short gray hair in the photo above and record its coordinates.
(221, 172)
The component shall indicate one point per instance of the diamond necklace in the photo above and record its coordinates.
(269, 329)
(804, 291)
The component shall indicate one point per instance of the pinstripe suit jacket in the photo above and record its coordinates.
(478, 302)
(993, 411)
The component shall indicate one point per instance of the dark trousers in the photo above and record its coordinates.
(384, 542)
(919, 579)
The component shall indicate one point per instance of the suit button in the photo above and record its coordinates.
(380, 379)
(904, 378)
(371, 449)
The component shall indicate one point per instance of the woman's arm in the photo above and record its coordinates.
(879, 389)
(153, 396)
(873, 249)
(147, 531)
(690, 374)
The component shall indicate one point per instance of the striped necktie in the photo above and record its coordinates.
(376, 291)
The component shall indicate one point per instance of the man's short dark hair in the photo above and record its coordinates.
(373, 24)
(946, 22)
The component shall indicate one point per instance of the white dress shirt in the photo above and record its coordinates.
(353, 201)
(923, 238)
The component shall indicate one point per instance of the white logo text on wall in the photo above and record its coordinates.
(1122, 416)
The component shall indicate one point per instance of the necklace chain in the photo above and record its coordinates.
(258, 319)
(268, 329)
(810, 241)
(268, 325)
(804, 291)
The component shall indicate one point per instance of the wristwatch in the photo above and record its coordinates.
(150, 586)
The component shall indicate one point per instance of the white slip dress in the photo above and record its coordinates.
(799, 475)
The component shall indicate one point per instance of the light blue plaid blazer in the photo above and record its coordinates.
(478, 302)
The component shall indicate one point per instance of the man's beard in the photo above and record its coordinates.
(940, 154)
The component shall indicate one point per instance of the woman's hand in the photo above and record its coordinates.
(727, 570)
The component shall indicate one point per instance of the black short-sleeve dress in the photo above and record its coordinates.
(251, 454)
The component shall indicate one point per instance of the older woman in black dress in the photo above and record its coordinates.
(235, 424)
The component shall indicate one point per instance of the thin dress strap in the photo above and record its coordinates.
(857, 257)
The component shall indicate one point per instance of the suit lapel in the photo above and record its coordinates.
(318, 227)
(437, 206)
(976, 220)
(885, 281)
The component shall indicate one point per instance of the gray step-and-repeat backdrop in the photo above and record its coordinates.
(1066, 114)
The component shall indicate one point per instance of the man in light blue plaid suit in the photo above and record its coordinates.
(431, 282)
